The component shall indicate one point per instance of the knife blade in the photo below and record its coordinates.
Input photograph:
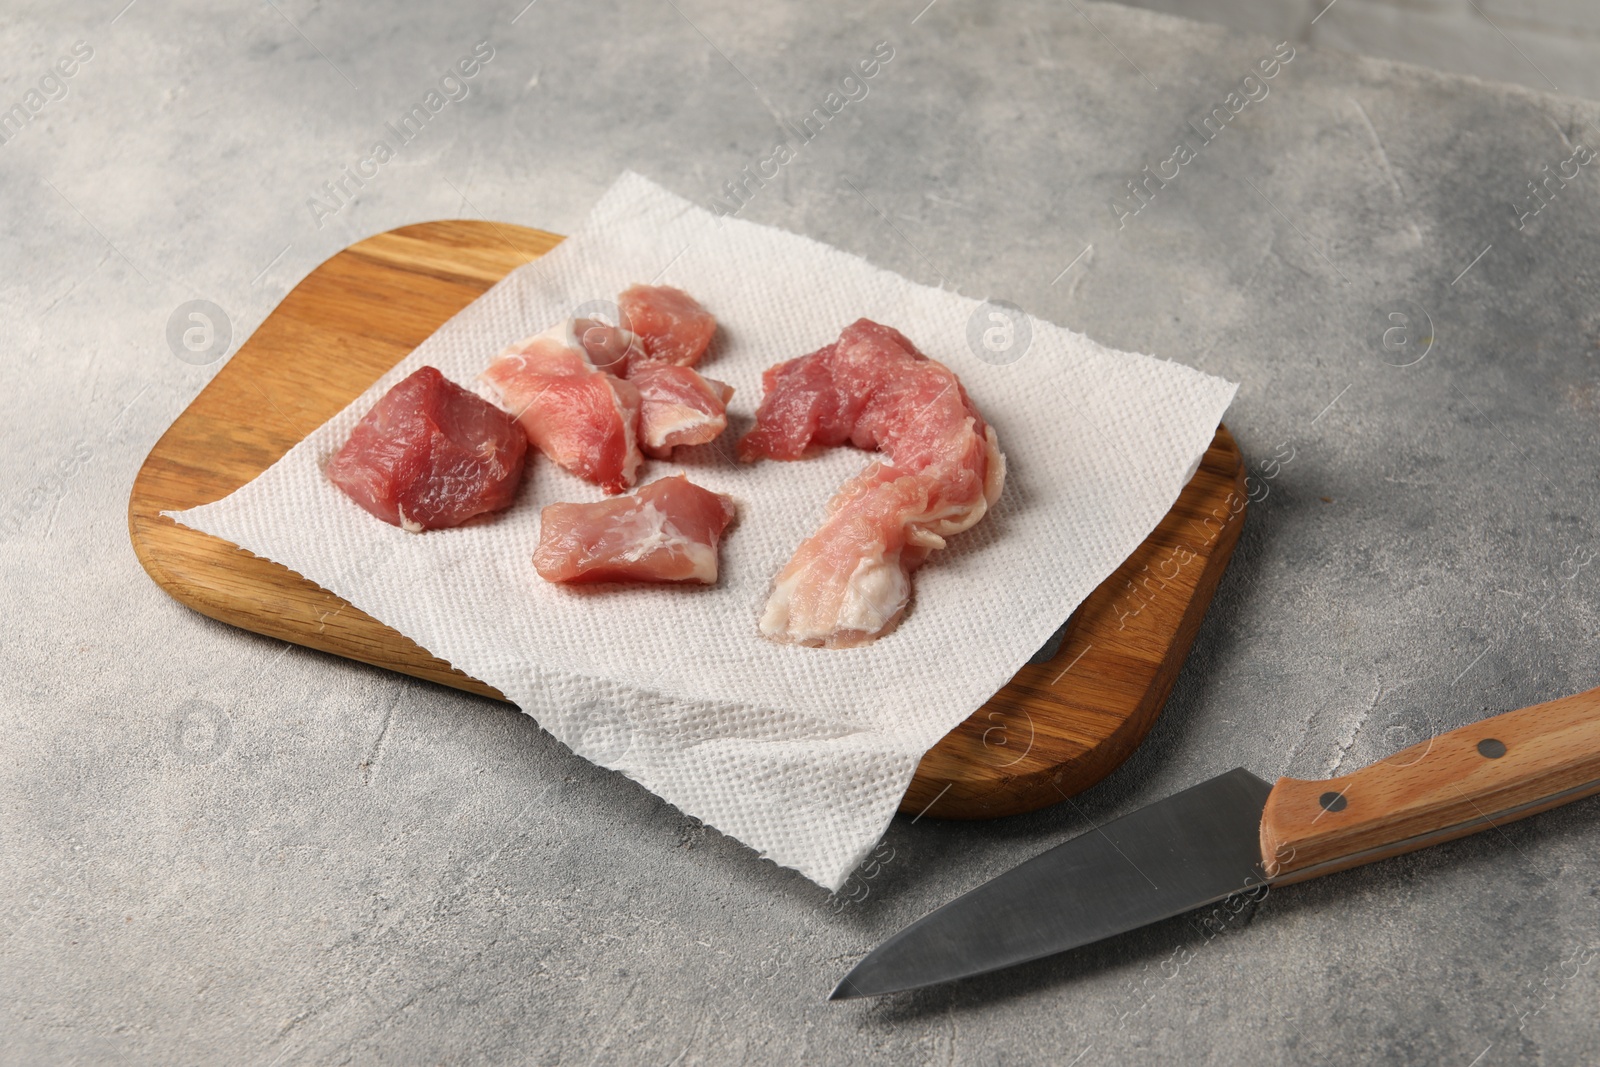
(1235, 832)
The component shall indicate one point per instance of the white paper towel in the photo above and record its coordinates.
(801, 753)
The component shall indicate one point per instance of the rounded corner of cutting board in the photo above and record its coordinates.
(375, 301)
(1059, 727)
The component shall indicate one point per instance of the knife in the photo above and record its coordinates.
(1235, 832)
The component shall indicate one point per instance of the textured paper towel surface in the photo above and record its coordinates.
(801, 753)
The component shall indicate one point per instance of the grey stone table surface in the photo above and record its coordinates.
(219, 849)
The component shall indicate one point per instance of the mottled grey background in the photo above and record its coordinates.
(219, 849)
(1552, 45)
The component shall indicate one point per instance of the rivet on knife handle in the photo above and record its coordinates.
(1486, 774)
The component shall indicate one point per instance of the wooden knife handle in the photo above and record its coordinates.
(1484, 775)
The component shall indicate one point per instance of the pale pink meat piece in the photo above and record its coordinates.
(667, 531)
(573, 411)
(609, 348)
(430, 454)
(849, 583)
(677, 406)
(671, 323)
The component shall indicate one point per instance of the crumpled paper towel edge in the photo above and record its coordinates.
(725, 822)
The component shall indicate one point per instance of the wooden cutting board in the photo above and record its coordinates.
(1055, 729)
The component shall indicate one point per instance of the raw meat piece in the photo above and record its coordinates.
(580, 416)
(666, 531)
(609, 348)
(800, 407)
(670, 322)
(430, 454)
(677, 406)
(849, 582)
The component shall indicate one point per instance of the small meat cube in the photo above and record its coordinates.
(677, 406)
(671, 323)
(430, 454)
(577, 414)
(609, 348)
(667, 531)
(802, 408)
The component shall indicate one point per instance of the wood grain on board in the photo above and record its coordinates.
(1054, 730)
